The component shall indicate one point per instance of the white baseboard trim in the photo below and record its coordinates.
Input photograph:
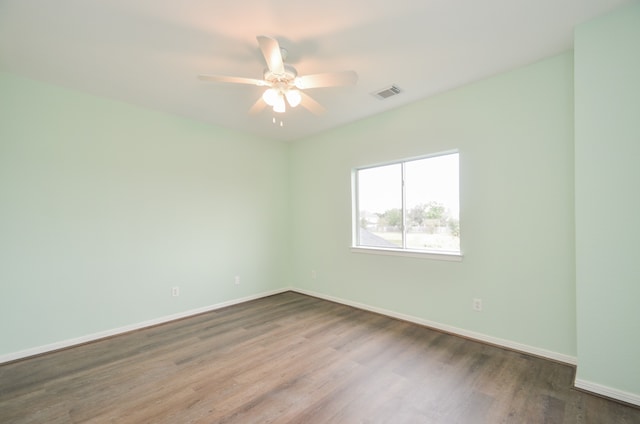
(559, 357)
(630, 398)
(609, 392)
(121, 330)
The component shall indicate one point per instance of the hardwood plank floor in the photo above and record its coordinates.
(292, 358)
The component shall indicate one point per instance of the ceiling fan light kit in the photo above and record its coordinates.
(284, 84)
(276, 95)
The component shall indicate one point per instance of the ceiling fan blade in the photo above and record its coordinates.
(234, 80)
(271, 51)
(308, 103)
(257, 107)
(329, 79)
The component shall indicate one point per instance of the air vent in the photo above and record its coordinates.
(385, 93)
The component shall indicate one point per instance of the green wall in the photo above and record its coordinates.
(104, 207)
(607, 158)
(514, 133)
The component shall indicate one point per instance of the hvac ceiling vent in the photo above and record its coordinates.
(385, 93)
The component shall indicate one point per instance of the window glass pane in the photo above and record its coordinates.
(380, 206)
(432, 205)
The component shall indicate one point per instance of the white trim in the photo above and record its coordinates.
(585, 385)
(127, 328)
(608, 392)
(444, 256)
(559, 357)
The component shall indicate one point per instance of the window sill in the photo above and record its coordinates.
(439, 256)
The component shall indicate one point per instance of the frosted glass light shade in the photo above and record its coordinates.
(293, 97)
(270, 96)
(279, 105)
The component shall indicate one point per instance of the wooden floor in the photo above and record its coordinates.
(291, 358)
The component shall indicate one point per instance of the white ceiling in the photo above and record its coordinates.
(149, 52)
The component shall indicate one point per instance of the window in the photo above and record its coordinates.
(409, 206)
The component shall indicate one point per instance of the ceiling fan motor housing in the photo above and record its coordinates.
(287, 77)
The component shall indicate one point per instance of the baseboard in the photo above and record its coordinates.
(128, 328)
(443, 327)
(608, 392)
(555, 356)
(598, 389)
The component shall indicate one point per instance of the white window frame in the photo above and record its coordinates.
(400, 251)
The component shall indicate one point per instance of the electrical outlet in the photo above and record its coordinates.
(314, 274)
(175, 291)
(477, 305)
(236, 280)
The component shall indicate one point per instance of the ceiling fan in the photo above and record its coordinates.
(284, 86)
